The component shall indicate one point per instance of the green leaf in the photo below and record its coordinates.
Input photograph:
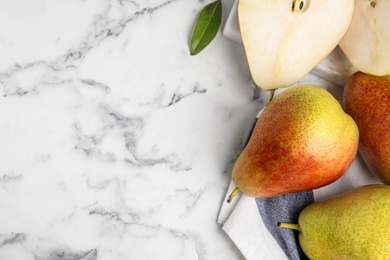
(206, 27)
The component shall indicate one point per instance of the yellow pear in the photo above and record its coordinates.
(353, 225)
(302, 140)
(285, 39)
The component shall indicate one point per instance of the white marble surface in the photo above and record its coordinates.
(115, 143)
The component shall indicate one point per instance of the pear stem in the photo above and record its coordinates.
(289, 226)
(233, 194)
(372, 2)
(271, 95)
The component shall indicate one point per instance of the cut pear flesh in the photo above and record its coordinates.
(367, 41)
(285, 39)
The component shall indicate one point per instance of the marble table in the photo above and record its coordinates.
(115, 142)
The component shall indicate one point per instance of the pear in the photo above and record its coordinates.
(367, 99)
(367, 41)
(285, 39)
(353, 225)
(302, 140)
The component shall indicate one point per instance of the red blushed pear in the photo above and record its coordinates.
(367, 100)
(303, 140)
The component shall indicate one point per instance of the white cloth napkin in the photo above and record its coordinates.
(251, 222)
(243, 223)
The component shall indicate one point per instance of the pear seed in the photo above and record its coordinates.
(298, 5)
(372, 2)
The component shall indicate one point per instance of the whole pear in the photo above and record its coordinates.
(367, 100)
(353, 225)
(303, 140)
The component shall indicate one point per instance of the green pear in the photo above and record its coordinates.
(353, 225)
(302, 140)
(367, 100)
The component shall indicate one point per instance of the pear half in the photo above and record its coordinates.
(367, 41)
(285, 39)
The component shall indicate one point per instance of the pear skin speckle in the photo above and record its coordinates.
(354, 225)
(367, 100)
(303, 140)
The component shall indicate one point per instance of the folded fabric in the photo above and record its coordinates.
(251, 223)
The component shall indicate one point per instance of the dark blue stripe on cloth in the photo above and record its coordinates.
(285, 208)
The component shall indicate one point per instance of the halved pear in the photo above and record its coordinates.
(285, 39)
(367, 41)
